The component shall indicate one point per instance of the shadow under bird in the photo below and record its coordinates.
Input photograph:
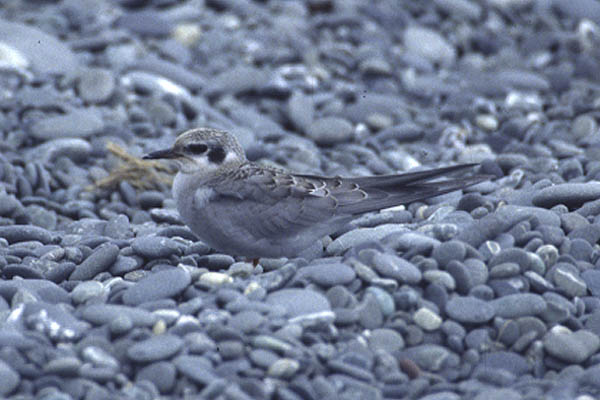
(242, 208)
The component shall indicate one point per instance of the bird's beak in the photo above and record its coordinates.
(166, 153)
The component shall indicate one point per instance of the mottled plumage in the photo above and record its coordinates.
(242, 208)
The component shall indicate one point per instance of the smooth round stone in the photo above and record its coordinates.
(571, 347)
(125, 264)
(518, 305)
(386, 339)
(159, 285)
(101, 314)
(99, 357)
(504, 270)
(298, 302)
(569, 282)
(429, 44)
(430, 357)
(448, 251)
(63, 366)
(441, 277)
(263, 358)
(300, 110)
(384, 299)
(427, 319)
(570, 194)
(155, 348)
(86, 290)
(247, 321)
(118, 227)
(95, 85)
(9, 378)
(78, 123)
(238, 79)
(198, 369)
(54, 57)
(469, 310)
(328, 274)
(505, 360)
(154, 247)
(592, 279)
(161, 373)
(358, 236)
(146, 23)
(328, 131)
(99, 261)
(392, 266)
(25, 233)
(45, 290)
(284, 368)
(214, 279)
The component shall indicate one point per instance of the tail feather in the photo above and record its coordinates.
(400, 189)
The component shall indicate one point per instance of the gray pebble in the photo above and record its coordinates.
(154, 247)
(161, 373)
(25, 233)
(155, 348)
(571, 347)
(196, 368)
(328, 131)
(328, 274)
(54, 57)
(469, 309)
(95, 85)
(101, 314)
(570, 194)
(397, 268)
(159, 285)
(429, 44)
(78, 123)
(386, 339)
(518, 305)
(99, 261)
(9, 377)
(299, 302)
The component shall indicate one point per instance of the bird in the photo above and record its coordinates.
(251, 210)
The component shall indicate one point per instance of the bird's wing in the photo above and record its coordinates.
(270, 203)
(363, 194)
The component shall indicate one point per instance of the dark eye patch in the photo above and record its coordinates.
(196, 148)
(216, 155)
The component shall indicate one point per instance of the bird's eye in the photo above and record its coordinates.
(196, 148)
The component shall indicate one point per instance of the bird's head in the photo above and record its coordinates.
(203, 150)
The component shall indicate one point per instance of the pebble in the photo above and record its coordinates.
(518, 305)
(571, 347)
(78, 123)
(429, 44)
(9, 377)
(397, 268)
(100, 260)
(162, 374)
(159, 285)
(154, 247)
(96, 85)
(328, 131)
(298, 302)
(54, 57)
(101, 314)
(427, 319)
(469, 310)
(328, 275)
(572, 195)
(26, 233)
(155, 348)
